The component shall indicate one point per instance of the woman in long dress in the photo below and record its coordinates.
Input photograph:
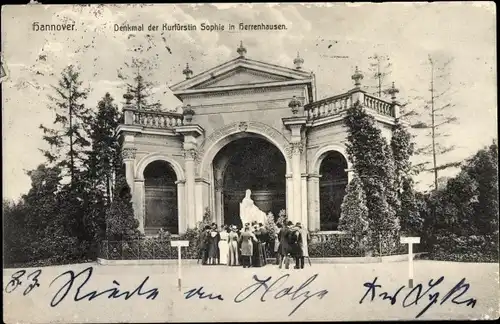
(223, 245)
(247, 240)
(233, 259)
(258, 257)
(213, 247)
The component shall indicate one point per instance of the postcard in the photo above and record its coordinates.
(249, 162)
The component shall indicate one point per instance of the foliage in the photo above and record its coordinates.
(121, 223)
(104, 160)
(270, 225)
(136, 75)
(473, 248)
(69, 139)
(282, 217)
(483, 168)
(372, 161)
(402, 150)
(354, 214)
(38, 227)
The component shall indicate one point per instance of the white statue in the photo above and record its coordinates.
(249, 212)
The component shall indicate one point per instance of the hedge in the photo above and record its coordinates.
(473, 248)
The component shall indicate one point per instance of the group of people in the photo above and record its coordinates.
(250, 246)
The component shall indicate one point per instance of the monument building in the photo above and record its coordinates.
(245, 125)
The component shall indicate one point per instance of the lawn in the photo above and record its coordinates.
(333, 293)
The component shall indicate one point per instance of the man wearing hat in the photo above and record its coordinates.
(303, 249)
(285, 244)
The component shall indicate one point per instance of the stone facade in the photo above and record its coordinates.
(239, 99)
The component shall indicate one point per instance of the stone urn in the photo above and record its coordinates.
(188, 114)
(295, 105)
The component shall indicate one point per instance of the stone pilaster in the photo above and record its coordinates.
(189, 158)
(313, 206)
(219, 206)
(294, 152)
(181, 191)
(139, 202)
(289, 195)
(190, 133)
(128, 156)
(303, 185)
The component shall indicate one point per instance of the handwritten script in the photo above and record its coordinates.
(269, 286)
(75, 286)
(418, 294)
(113, 292)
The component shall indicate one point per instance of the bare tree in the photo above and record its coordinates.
(380, 68)
(436, 115)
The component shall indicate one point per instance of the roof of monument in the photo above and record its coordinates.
(242, 73)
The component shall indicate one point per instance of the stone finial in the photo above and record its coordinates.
(295, 104)
(187, 72)
(393, 91)
(357, 77)
(241, 50)
(298, 61)
(128, 98)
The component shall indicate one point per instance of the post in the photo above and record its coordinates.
(179, 269)
(410, 241)
(179, 244)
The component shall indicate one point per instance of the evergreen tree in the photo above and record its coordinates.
(402, 150)
(371, 159)
(354, 214)
(121, 223)
(68, 140)
(48, 227)
(104, 158)
(137, 75)
(483, 168)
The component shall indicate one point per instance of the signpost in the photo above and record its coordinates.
(179, 244)
(410, 241)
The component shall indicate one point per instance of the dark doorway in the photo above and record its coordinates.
(332, 187)
(253, 164)
(161, 198)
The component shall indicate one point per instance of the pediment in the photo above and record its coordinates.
(241, 72)
(241, 76)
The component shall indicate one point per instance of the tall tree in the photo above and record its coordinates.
(371, 159)
(402, 150)
(354, 214)
(104, 156)
(120, 221)
(380, 68)
(68, 139)
(438, 115)
(483, 168)
(137, 76)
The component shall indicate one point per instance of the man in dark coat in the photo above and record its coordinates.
(203, 244)
(297, 246)
(277, 244)
(285, 244)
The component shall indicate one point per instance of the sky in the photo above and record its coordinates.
(331, 38)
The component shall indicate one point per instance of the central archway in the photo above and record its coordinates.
(249, 163)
